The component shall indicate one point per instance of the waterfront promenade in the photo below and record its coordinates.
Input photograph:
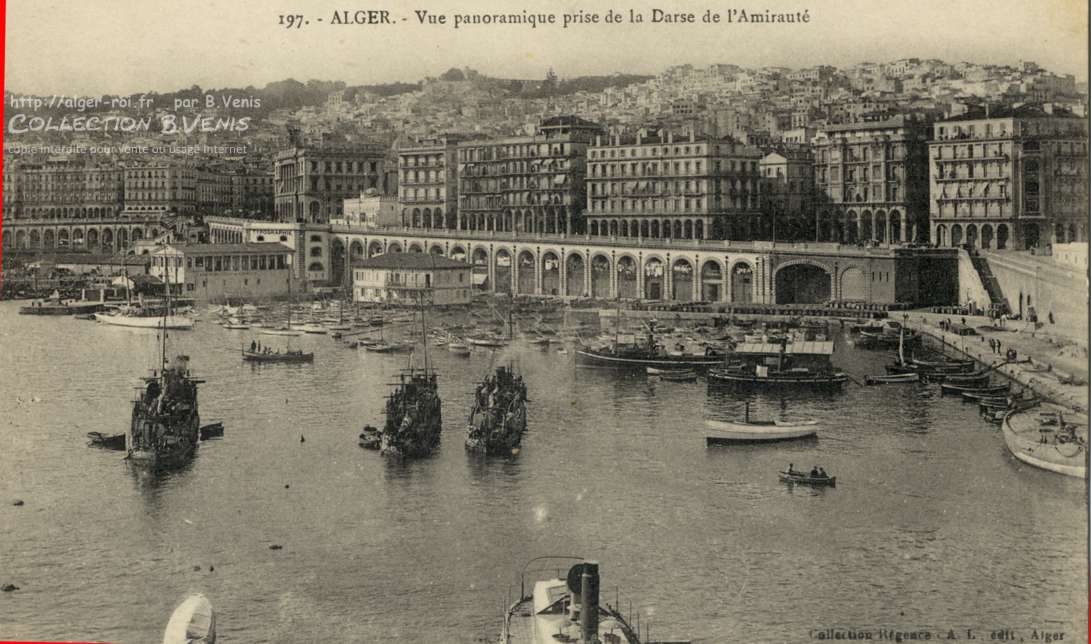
(1065, 381)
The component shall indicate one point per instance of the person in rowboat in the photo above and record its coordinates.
(814, 472)
(822, 473)
(791, 469)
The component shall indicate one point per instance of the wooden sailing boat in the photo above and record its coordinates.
(285, 330)
(499, 416)
(165, 425)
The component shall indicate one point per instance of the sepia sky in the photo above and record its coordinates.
(124, 46)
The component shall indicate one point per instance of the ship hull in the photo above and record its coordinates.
(831, 382)
(589, 358)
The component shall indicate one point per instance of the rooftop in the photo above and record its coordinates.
(228, 249)
(409, 261)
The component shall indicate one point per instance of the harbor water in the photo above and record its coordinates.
(932, 525)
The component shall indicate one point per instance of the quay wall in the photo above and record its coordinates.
(1065, 388)
(970, 287)
(1046, 285)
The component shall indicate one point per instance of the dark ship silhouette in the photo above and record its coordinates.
(499, 417)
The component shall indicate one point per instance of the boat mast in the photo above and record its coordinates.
(166, 316)
(901, 345)
(617, 319)
(424, 329)
(289, 300)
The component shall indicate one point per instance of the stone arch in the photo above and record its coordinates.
(35, 238)
(1002, 236)
(986, 236)
(852, 227)
(62, 238)
(415, 247)
(374, 248)
(600, 275)
(803, 282)
(654, 278)
(108, 237)
(687, 230)
(574, 275)
(527, 279)
(459, 253)
(551, 273)
(682, 280)
(138, 234)
(742, 282)
(20, 239)
(356, 250)
(394, 247)
(895, 225)
(436, 249)
(971, 235)
(712, 280)
(956, 235)
(627, 276)
(92, 237)
(122, 238)
(653, 229)
(941, 235)
(867, 232)
(881, 227)
(853, 284)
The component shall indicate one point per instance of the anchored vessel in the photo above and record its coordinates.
(413, 416)
(499, 416)
(781, 364)
(566, 610)
(641, 355)
(166, 421)
(1050, 439)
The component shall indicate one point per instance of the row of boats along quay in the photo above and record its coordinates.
(773, 390)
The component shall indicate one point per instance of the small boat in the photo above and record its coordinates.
(945, 364)
(981, 392)
(459, 349)
(892, 378)
(235, 323)
(138, 319)
(1054, 440)
(762, 431)
(802, 478)
(389, 347)
(958, 388)
(193, 622)
(316, 329)
(282, 331)
(98, 439)
(682, 375)
(212, 430)
(371, 438)
(277, 356)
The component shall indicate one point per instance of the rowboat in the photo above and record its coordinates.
(892, 378)
(982, 392)
(686, 375)
(281, 331)
(114, 442)
(193, 622)
(807, 479)
(459, 349)
(313, 328)
(288, 356)
(944, 364)
(1054, 441)
(727, 433)
(958, 388)
(657, 371)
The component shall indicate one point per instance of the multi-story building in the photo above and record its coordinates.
(658, 185)
(214, 190)
(160, 188)
(428, 182)
(312, 182)
(373, 210)
(65, 190)
(252, 193)
(527, 183)
(787, 175)
(219, 272)
(13, 189)
(1009, 178)
(412, 279)
(871, 181)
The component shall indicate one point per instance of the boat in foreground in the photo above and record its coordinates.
(803, 478)
(567, 610)
(193, 622)
(1054, 440)
(721, 432)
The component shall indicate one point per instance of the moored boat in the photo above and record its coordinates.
(679, 375)
(98, 439)
(719, 432)
(1053, 440)
(892, 378)
(277, 355)
(137, 318)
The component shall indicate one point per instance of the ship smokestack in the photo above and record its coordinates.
(589, 612)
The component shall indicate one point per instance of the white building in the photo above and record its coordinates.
(370, 210)
(410, 278)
